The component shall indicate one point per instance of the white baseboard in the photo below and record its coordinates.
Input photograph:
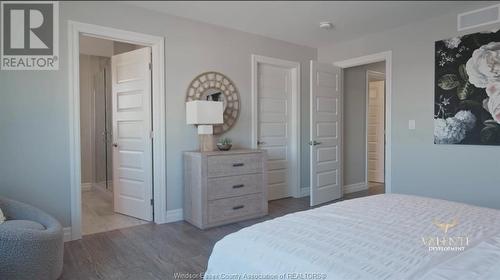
(67, 234)
(347, 189)
(174, 215)
(86, 187)
(361, 186)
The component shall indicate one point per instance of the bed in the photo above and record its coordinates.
(386, 236)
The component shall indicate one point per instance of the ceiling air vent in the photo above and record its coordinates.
(479, 17)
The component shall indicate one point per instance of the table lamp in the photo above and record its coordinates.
(205, 114)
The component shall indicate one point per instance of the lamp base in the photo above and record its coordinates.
(207, 142)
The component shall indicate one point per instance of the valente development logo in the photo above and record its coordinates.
(30, 35)
(446, 241)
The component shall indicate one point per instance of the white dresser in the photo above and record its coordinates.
(224, 187)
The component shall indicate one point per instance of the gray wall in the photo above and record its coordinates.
(34, 122)
(355, 121)
(120, 47)
(96, 46)
(460, 173)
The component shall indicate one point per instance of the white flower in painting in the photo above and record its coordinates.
(483, 67)
(493, 88)
(452, 43)
(467, 118)
(453, 130)
(446, 101)
(445, 58)
(493, 106)
(448, 131)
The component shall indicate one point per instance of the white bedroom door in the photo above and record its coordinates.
(376, 131)
(273, 132)
(132, 143)
(326, 127)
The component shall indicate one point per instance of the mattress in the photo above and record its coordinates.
(386, 236)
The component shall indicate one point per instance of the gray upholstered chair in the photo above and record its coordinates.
(31, 243)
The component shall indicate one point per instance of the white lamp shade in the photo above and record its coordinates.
(204, 112)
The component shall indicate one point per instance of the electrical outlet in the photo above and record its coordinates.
(411, 124)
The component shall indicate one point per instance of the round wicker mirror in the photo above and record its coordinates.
(217, 87)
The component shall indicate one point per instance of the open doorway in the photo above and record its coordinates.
(157, 102)
(115, 126)
(364, 129)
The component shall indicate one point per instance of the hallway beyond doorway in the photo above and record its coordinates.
(99, 216)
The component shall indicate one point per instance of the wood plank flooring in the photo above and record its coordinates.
(158, 251)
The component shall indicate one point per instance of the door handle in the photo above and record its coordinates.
(314, 143)
(260, 142)
(115, 145)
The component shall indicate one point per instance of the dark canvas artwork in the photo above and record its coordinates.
(467, 90)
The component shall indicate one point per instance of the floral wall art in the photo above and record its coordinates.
(467, 90)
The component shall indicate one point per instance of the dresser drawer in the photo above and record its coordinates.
(230, 208)
(225, 187)
(228, 165)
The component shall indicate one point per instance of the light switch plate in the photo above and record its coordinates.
(411, 124)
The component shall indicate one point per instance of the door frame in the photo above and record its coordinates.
(370, 74)
(157, 44)
(367, 59)
(295, 134)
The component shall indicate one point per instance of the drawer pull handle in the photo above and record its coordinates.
(238, 164)
(238, 207)
(238, 186)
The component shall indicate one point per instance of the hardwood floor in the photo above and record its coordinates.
(158, 251)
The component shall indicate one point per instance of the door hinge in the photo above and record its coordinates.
(151, 134)
(150, 66)
(152, 201)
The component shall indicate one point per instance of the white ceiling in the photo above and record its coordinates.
(297, 21)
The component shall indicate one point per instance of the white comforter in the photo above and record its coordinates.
(376, 237)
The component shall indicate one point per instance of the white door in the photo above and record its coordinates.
(326, 128)
(376, 128)
(132, 143)
(274, 116)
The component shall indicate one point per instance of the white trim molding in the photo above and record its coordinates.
(483, 16)
(361, 186)
(67, 236)
(157, 44)
(174, 215)
(367, 59)
(295, 133)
